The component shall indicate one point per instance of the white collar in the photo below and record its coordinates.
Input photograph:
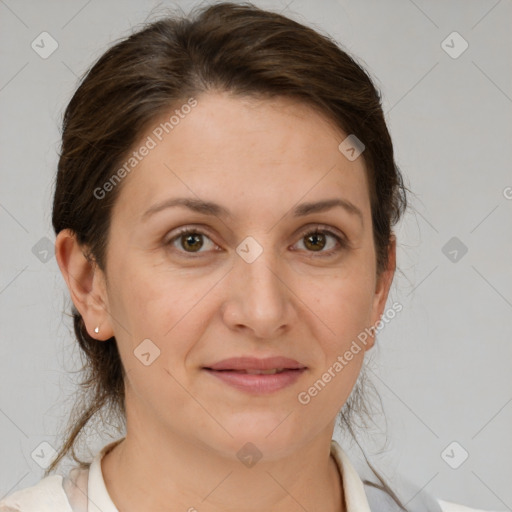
(98, 496)
(353, 488)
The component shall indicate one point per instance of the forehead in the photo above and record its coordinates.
(251, 154)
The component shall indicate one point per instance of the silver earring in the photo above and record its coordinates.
(96, 330)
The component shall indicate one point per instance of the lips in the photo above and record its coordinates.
(253, 365)
(257, 372)
(257, 376)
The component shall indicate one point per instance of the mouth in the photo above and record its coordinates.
(271, 371)
(255, 375)
(257, 382)
(252, 364)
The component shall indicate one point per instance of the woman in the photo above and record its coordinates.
(224, 206)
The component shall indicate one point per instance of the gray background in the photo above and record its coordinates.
(442, 366)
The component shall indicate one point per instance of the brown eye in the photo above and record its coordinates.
(315, 241)
(192, 241)
(319, 239)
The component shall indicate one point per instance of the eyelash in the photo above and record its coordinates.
(342, 242)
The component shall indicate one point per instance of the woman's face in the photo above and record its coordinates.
(250, 280)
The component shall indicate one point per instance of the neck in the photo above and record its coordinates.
(183, 475)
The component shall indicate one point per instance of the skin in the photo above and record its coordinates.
(259, 159)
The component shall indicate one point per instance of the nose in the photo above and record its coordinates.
(259, 299)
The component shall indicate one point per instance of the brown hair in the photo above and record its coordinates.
(237, 48)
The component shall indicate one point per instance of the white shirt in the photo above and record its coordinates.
(84, 490)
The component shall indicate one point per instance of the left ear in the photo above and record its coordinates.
(382, 288)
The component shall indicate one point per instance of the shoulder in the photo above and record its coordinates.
(448, 506)
(57, 493)
(380, 500)
(365, 489)
(46, 496)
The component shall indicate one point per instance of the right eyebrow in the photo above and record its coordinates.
(197, 205)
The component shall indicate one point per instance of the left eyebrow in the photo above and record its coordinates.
(328, 204)
(211, 208)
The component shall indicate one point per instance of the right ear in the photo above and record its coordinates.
(86, 283)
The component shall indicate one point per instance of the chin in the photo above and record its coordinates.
(274, 435)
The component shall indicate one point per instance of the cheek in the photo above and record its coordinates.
(154, 334)
(161, 306)
(344, 304)
(346, 313)
(149, 301)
